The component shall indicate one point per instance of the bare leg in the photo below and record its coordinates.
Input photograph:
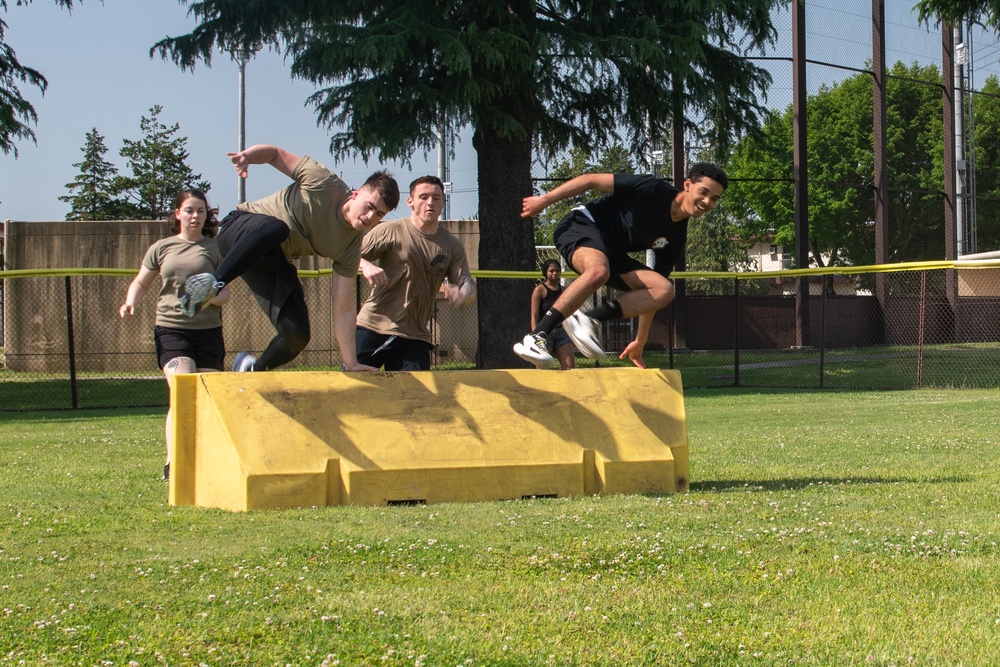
(649, 291)
(592, 265)
(565, 355)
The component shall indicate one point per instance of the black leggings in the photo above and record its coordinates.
(292, 325)
(245, 239)
(251, 248)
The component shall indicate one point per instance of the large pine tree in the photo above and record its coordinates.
(92, 194)
(528, 75)
(159, 168)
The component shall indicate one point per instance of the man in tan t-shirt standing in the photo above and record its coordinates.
(318, 214)
(415, 256)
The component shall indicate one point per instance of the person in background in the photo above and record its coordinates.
(542, 298)
(408, 261)
(183, 344)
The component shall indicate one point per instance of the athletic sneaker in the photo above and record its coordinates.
(197, 291)
(243, 363)
(582, 330)
(533, 349)
(166, 472)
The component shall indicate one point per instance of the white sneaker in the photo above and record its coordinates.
(197, 291)
(243, 363)
(582, 330)
(533, 349)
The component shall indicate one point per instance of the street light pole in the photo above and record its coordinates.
(241, 142)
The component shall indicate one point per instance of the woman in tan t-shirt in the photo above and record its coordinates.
(183, 344)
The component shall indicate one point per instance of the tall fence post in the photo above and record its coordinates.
(736, 333)
(822, 337)
(920, 330)
(71, 343)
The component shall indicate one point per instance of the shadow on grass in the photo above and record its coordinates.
(734, 485)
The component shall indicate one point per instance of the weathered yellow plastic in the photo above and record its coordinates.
(301, 439)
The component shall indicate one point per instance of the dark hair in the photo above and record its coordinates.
(430, 180)
(211, 222)
(548, 263)
(385, 185)
(700, 170)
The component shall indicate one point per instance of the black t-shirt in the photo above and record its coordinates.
(549, 300)
(637, 217)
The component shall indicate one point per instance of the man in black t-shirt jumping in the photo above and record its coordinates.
(637, 213)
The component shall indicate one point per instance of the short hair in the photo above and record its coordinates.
(548, 263)
(385, 185)
(211, 221)
(700, 170)
(430, 180)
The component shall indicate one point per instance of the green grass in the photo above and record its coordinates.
(821, 528)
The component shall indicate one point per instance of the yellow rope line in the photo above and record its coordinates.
(485, 273)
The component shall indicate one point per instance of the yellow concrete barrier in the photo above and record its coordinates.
(301, 439)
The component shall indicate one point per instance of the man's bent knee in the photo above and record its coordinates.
(663, 296)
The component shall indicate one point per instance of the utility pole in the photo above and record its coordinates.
(241, 56)
(444, 166)
(241, 140)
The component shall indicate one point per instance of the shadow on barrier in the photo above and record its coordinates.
(247, 441)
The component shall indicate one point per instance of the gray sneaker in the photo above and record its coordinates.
(533, 349)
(197, 291)
(243, 363)
(582, 330)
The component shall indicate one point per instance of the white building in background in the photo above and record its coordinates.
(768, 256)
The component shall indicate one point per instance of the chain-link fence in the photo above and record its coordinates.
(927, 325)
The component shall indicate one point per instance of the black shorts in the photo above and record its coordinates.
(392, 352)
(577, 231)
(205, 346)
(557, 338)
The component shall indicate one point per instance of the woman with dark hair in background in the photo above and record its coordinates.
(183, 344)
(545, 294)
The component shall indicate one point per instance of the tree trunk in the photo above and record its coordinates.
(506, 243)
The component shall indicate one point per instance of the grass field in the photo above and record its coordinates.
(821, 529)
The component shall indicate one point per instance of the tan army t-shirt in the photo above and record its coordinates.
(176, 260)
(312, 207)
(416, 264)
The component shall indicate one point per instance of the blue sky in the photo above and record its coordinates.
(100, 75)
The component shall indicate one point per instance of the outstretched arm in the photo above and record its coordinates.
(634, 349)
(345, 322)
(136, 289)
(277, 157)
(532, 206)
